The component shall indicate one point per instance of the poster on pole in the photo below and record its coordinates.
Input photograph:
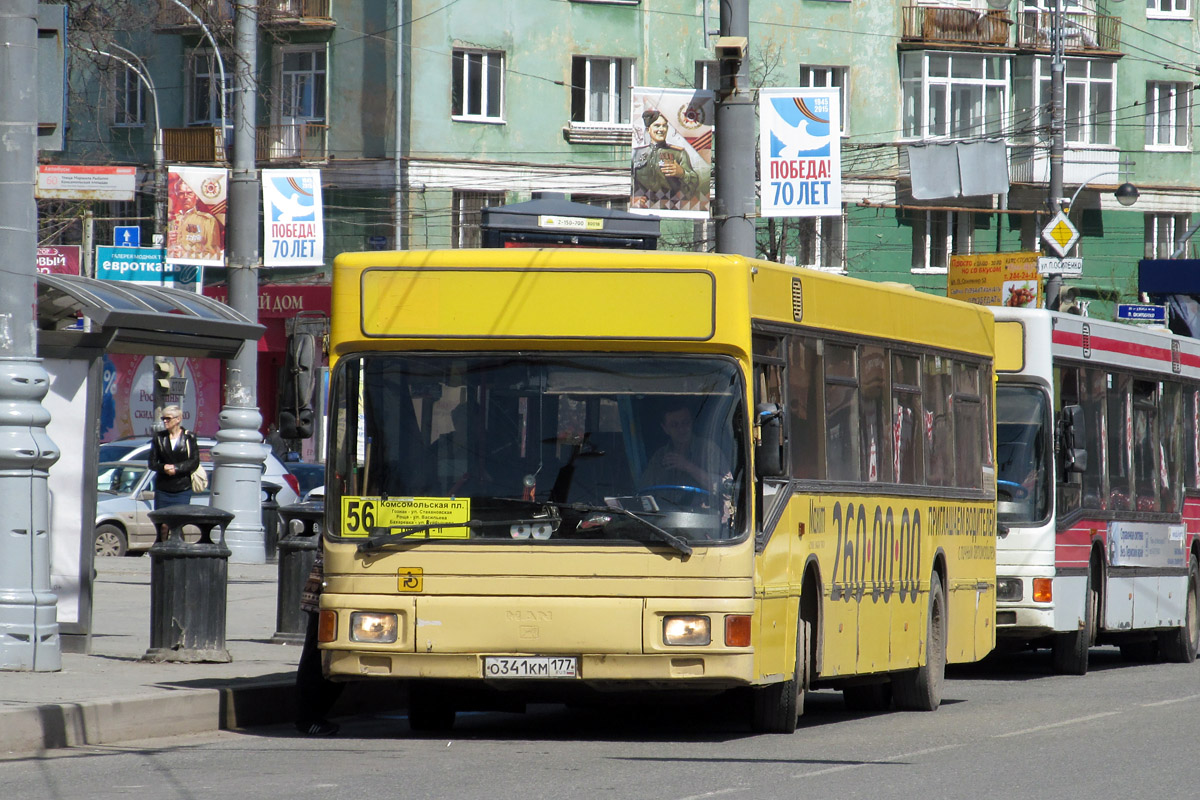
(800, 152)
(671, 170)
(293, 226)
(196, 204)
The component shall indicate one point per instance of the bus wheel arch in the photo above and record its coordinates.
(1069, 651)
(920, 689)
(1179, 645)
(810, 611)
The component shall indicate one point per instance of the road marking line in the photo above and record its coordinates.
(712, 794)
(1064, 723)
(1189, 698)
(878, 761)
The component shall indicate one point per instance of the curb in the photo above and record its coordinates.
(34, 730)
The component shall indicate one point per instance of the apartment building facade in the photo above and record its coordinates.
(420, 112)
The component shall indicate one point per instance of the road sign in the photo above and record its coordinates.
(1060, 234)
(1133, 312)
(127, 236)
(1067, 267)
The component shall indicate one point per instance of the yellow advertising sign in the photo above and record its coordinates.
(362, 516)
(995, 279)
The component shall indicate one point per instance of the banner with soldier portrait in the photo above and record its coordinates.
(672, 152)
(196, 201)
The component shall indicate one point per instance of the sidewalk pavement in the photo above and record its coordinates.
(109, 695)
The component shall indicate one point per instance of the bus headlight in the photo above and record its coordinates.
(686, 631)
(373, 626)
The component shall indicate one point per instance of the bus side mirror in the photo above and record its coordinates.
(1072, 434)
(768, 452)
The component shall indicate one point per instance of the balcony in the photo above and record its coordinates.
(301, 143)
(1082, 31)
(213, 13)
(305, 141)
(196, 145)
(956, 25)
(277, 14)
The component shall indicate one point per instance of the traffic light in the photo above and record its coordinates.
(164, 371)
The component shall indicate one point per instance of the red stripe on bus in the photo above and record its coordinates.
(1114, 346)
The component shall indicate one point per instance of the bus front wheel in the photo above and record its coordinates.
(1069, 651)
(776, 707)
(921, 689)
(1180, 645)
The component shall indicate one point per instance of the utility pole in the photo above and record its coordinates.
(1058, 131)
(29, 638)
(240, 452)
(734, 202)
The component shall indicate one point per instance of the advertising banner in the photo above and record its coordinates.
(293, 227)
(145, 265)
(672, 152)
(196, 201)
(800, 152)
(59, 259)
(995, 279)
(65, 182)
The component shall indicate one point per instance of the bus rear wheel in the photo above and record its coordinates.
(777, 707)
(1180, 645)
(1069, 651)
(921, 689)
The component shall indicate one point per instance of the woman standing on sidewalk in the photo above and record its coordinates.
(174, 456)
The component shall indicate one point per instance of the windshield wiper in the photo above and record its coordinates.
(385, 536)
(676, 541)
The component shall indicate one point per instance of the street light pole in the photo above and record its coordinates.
(240, 452)
(1058, 131)
(29, 634)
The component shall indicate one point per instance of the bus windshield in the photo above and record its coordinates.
(1023, 480)
(539, 448)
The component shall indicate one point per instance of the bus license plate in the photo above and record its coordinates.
(529, 667)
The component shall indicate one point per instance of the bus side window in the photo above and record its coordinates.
(1171, 447)
(1068, 484)
(968, 427)
(876, 438)
(1191, 438)
(841, 413)
(806, 408)
(1093, 398)
(1147, 455)
(907, 439)
(939, 435)
(1120, 455)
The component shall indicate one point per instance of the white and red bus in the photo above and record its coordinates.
(1098, 435)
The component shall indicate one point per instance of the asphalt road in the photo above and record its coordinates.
(1006, 729)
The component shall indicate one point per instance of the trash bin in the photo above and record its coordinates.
(188, 586)
(301, 525)
(270, 519)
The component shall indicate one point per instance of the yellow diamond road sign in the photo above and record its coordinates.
(1060, 234)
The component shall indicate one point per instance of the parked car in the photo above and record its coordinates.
(124, 500)
(138, 448)
(309, 475)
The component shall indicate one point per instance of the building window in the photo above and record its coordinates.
(602, 201)
(465, 230)
(1163, 231)
(953, 95)
(129, 95)
(302, 86)
(1090, 102)
(204, 99)
(1168, 114)
(1169, 9)
(478, 85)
(823, 242)
(829, 78)
(600, 90)
(937, 235)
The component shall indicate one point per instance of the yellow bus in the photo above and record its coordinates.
(555, 474)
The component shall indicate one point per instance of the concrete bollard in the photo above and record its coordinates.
(301, 524)
(188, 586)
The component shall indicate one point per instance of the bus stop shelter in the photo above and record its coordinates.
(80, 320)
(550, 220)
